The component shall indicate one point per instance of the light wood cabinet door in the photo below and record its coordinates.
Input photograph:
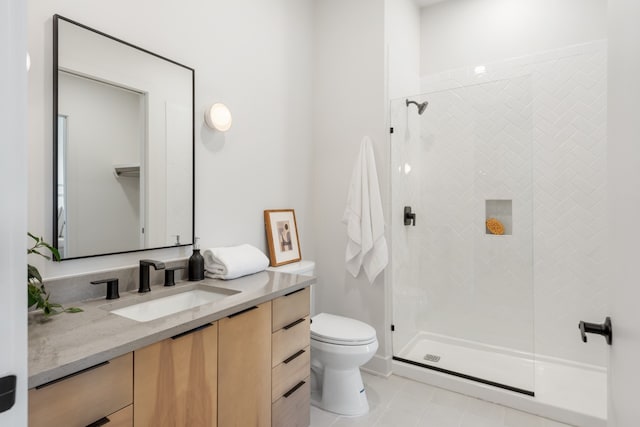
(175, 380)
(244, 368)
(85, 397)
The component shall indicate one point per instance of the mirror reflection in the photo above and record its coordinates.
(123, 138)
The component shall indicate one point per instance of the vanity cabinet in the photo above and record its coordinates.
(86, 397)
(244, 368)
(290, 360)
(175, 380)
(251, 368)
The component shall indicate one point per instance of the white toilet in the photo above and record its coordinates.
(339, 346)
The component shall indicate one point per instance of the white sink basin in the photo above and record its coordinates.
(160, 307)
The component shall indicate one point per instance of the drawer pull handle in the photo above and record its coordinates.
(290, 358)
(199, 328)
(102, 421)
(294, 389)
(294, 292)
(292, 324)
(66, 377)
(243, 311)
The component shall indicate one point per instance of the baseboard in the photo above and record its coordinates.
(379, 365)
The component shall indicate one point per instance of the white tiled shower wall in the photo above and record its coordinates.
(552, 105)
(473, 144)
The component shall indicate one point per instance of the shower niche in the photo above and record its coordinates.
(500, 211)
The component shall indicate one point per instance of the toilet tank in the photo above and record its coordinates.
(303, 268)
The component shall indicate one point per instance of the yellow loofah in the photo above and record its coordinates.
(494, 226)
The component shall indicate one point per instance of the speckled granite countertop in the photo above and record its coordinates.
(68, 343)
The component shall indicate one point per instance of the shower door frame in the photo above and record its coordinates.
(396, 167)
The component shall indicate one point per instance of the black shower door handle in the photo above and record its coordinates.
(603, 329)
(409, 217)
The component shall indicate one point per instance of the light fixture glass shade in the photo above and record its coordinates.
(218, 117)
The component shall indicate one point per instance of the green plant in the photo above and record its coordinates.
(37, 294)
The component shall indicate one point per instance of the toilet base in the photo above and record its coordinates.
(342, 392)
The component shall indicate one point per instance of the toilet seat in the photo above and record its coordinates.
(332, 329)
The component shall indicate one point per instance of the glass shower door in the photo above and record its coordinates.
(463, 274)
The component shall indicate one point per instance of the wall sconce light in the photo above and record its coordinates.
(218, 117)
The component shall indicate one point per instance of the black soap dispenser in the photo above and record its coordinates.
(196, 263)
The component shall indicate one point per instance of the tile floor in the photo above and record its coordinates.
(400, 402)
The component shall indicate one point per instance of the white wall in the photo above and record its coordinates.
(256, 57)
(402, 31)
(349, 103)
(459, 33)
(13, 215)
(624, 204)
(355, 73)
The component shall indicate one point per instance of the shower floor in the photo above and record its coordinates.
(485, 363)
(566, 391)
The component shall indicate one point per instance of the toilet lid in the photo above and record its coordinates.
(340, 330)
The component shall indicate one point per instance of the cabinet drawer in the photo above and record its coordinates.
(293, 409)
(290, 372)
(122, 418)
(289, 308)
(289, 339)
(84, 398)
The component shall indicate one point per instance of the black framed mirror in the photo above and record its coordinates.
(123, 145)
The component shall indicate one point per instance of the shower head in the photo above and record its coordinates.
(421, 106)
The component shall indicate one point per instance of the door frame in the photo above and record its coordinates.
(13, 220)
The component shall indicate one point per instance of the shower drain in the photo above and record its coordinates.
(432, 358)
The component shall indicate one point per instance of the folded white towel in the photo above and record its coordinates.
(233, 261)
(366, 245)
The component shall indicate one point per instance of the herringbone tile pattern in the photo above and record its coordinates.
(531, 130)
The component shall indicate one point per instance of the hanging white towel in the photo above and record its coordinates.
(366, 245)
(234, 261)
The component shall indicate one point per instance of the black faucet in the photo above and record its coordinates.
(112, 287)
(144, 273)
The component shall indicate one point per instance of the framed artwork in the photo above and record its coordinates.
(282, 236)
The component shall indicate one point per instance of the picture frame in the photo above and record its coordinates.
(282, 236)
